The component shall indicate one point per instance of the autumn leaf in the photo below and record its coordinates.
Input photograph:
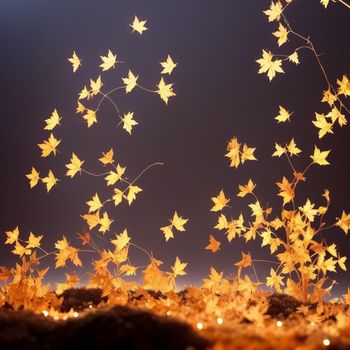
(94, 204)
(129, 122)
(12, 236)
(92, 219)
(80, 107)
(122, 240)
(49, 146)
(247, 153)
(328, 97)
(274, 12)
(213, 245)
(281, 34)
(286, 190)
(168, 232)
(341, 263)
(108, 61)
(107, 158)
(118, 196)
(233, 148)
(246, 189)
(165, 90)
(220, 202)
(131, 196)
(178, 222)
(52, 121)
(75, 61)
(275, 281)
(114, 177)
(257, 210)
(279, 150)
(179, 268)
(294, 57)
(325, 3)
(322, 124)
(130, 82)
(267, 65)
(105, 223)
(84, 93)
(50, 180)
(344, 86)
(292, 148)
(66, 252)
(344, 222)
(245, 262)
(20, 250)
(309, 211)
(90, 117)
(283, 115)
(33, 177)
(128, 270)
(138, 26)
(95, 86)
(74, 166)
(319, 157)
(168, 65)
(33, 241)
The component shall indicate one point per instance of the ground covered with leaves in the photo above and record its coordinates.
(183, 320)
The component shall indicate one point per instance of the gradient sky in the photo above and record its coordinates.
(219, 95)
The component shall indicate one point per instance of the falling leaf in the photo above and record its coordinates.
(33, 241)
(49, 146)
(168, 65)
(165, 90)
(130, 82)
(279, 150)
(322, 124)
(49, 180)
(33, 177)
(129, 122)
(245, 262)
(20, 250)
(74, 166)
(138, 26)
(283, 115)
(281, 34)
(247, 153)
(107, 157)
(114, 177)
(274, 12)
(108, 61)
(75, 61)
(105, 223)
(80, 108)
(168, 232)
(319, 157)
(213, 245)
(94, 204)
(233, 148)
(344, 86)
(131, 196)
(12, 236)
(275, 281)
(344, 222)
(122, 240)
(294, 57)
(328, 97)
(95, 86)
(92, 219)
(220, 201)
(309, 211)
(246, 189)
(286, 190)
(292, 148)
(268, 65)
(84, 93)
(325, 3)
(179, 267)
(52, 121)
(118, 196)
(178, 222)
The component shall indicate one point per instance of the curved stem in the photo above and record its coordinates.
(145, 89)
(92, 174)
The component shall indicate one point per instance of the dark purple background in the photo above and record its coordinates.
(219, 95)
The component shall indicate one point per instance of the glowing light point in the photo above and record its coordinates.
(75, 314)
(200, 325)
(45, 313)
(219, 320)
(168, 313)
(312, 324)
(326, 342)
(90, 306)
(279, 324)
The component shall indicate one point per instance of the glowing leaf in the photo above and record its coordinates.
(322, 124)
(220, 201)
(287, 192)
(138, 26)
(246, 189)
(267, 65)
(332, 250)
(90, 117)
(94, 204)
(245, 262)
(279, 150)
(95, 86)
(274, 12)
(179, 267)
(128, 270)
(107, 157)
(233, 148)
(114, 177)
(33, 241)
(213, 245)
(131, 196)
(84, 94)
(130, 82)
(256, 209)
(168, 232)
(129, 122)
(49, 180)
(283, 115)
(325, 3)
(122, 240)
(344, 86)
(80, 108)
(329, 97)
(92, 219)
(281, 34)
(319, 157)
(108, 61)
(165, 90)
(20, 250)
(75, 61)
(292, 148)
(33, 177)
(178, 222)
(12, 236)
(294, 57)
(52, 121)
(341, 263)
(168, 65)
(118, 196)
(247, 153)
(105, 223)
(275, 281)
(309, 211)
(74, 166)
(49, 146)
(344, 222)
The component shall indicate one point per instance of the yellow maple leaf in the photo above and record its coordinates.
(52, 121)
(246, 189)
(80, 107)
(122, 240)
(275, 281)
(329, 97)
(283, 115)
(274, 12)
(128, 270)
(129, 122)
(20, 250)
(245, 262)
(165, 90)
(281, 34)
(257, 210)
(113, 176)
(12, 236)
(344, 86)
(322, 124)
(90, 117)
(309, 211)
(213, 245)
(332, 249)
(33, 177)
(130, 82)
(292, 148)
(105, 223)
(49, 146)
(344, 222)
(233, 154)
(220, 201)
(107, 158)
(65, 252)
(336, 115)
(108, 61)
(325, 3)
(247, 153)
(92, 219)
(319, 157)
(131, 196)
(94, 204)
(95, 86)
(178, 222)
(84, 93)
(341, 263)
(168, 65)
(168, 232)
(267, 65)
(33, 241)
(287, 192)
(179, 268)
(74, 166)
(138, 26)
(118, 196)
(75, 61)
(279, 150)
(294, 57)
(50, 180)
